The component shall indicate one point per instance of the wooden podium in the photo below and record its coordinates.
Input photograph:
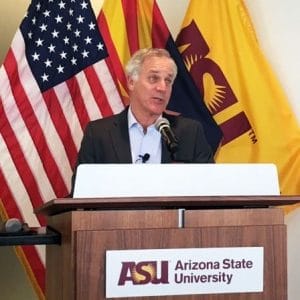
(89, 227)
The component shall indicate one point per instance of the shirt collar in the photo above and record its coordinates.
(131, 118)
(132, 121)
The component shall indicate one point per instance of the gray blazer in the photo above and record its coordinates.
(107, 141)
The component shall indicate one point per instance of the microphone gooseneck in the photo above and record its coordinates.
(163, 126)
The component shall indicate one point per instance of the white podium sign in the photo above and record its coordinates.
(191, 271)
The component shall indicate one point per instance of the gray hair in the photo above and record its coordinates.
(134, 64)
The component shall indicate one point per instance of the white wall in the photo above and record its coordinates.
(277, 23)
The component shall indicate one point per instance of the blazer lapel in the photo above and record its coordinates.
(120, 138)
(165, 154)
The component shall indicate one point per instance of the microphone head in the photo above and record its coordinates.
(161, 122)
(163, 127)
(13, 225)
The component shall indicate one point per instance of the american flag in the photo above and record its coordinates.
(54, 79)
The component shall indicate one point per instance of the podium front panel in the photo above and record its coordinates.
(92, 245)
(76, 268)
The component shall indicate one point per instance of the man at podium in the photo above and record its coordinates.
(144, 132)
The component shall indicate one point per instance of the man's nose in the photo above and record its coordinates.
(161, 85)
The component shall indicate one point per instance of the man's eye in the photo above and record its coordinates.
(169, 81)
(153, 79)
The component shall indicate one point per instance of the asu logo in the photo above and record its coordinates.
(218, 95)
(144, 272)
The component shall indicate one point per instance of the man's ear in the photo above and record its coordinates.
(130, 83)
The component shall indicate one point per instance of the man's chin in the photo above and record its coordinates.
(158, 109)
(157, 114)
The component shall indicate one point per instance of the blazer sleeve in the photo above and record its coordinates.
(87, 151)
(193, 145)
(202, 150)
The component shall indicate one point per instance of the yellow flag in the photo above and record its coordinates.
(220, 49)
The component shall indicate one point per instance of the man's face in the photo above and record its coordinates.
(150, 93)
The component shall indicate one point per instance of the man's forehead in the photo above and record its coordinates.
(160, 71)
(157, 60)
(158, 65)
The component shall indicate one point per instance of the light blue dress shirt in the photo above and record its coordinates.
(142, 143)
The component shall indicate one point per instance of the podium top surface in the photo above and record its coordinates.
(61, 205)
(167, 180)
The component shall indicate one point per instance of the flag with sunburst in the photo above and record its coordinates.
(218, 44)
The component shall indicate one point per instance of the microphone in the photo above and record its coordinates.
(12, 225)
(163, 126)
(144, 157)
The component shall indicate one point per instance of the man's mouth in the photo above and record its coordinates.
(158, 99)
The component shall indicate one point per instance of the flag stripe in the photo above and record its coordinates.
(115, 61)
(115, 26)
(109, 87)
(75, 120)
(14, 189)
(130, 15)
(7, 196)
(77, 109)
(89, 101)
(160, 32)
(61, 125)
(98, 92)
(145, 22)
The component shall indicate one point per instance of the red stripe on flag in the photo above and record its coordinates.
(8, 200)
(61, 125)
(34, 127)
(78, 102)
(160, 32)
(98, 92)
(130, 15)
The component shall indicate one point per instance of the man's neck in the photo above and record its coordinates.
(144, 120)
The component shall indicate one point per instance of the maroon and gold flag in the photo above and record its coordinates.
(220, 49)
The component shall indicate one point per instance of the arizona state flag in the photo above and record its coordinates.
(220, 49)
(128, 25)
